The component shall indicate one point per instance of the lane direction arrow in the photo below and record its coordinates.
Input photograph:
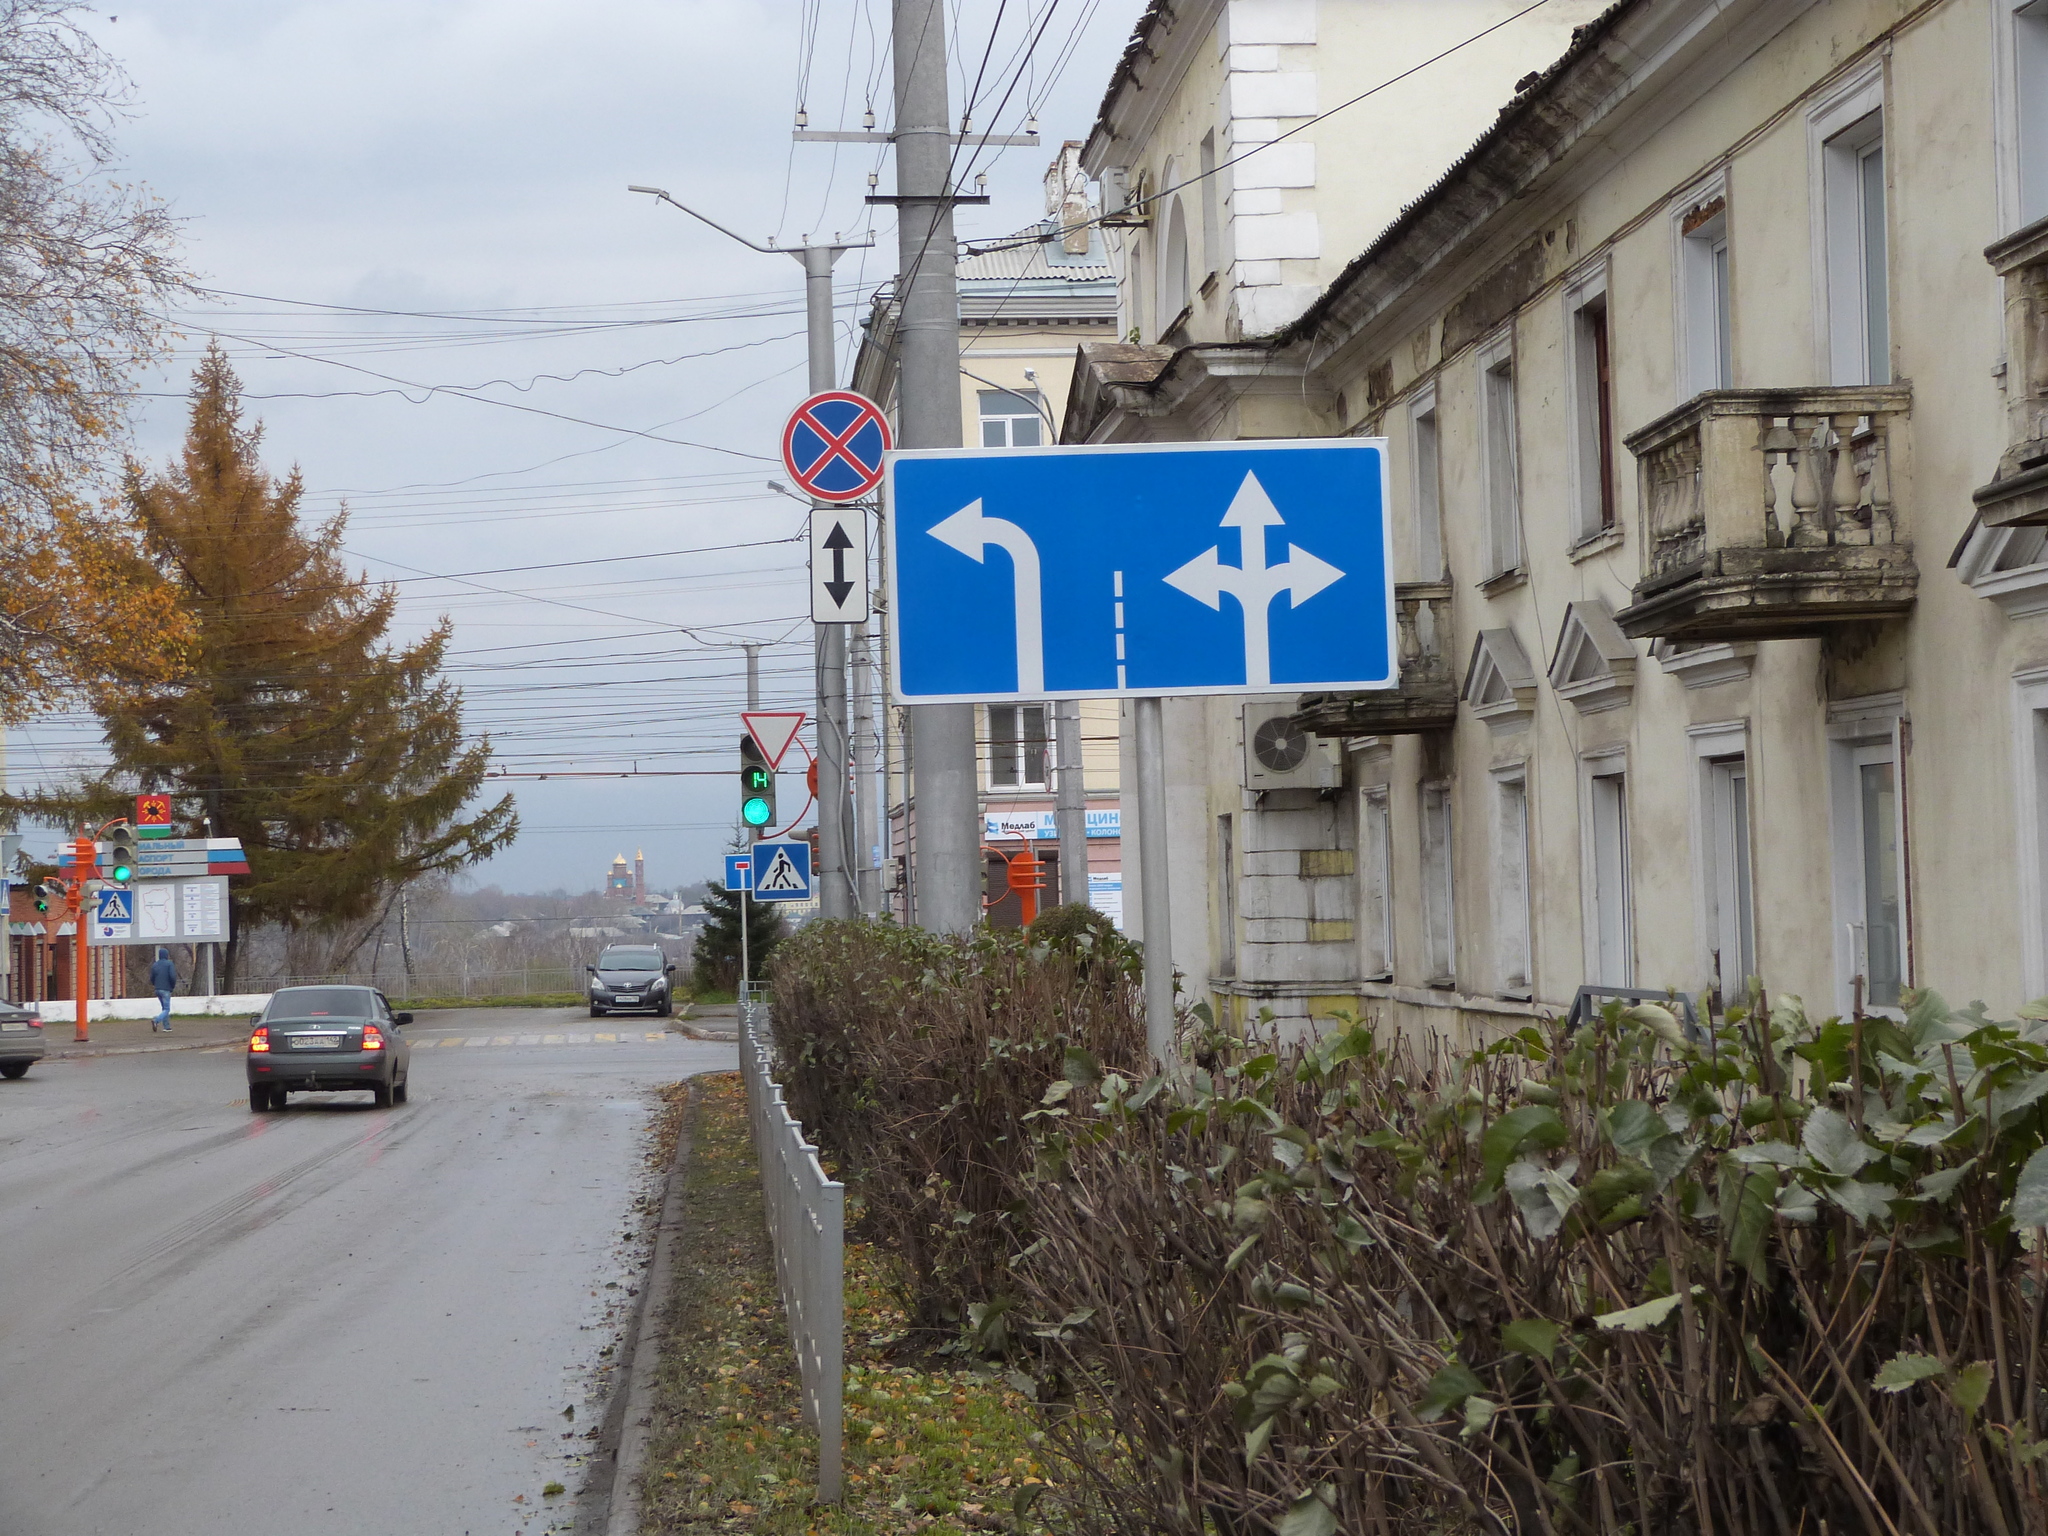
(971, 533)
(1251, 581)
(839, 565)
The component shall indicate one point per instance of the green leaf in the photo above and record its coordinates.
(1642, 1318)
(1971, 1386)
(1479, 1413)
(1660, 1021)
(1865, 1202)
(1901, 1371)
(1535, 1337)
(1632, 1125)
(1746, 1204)
(1447, 1391)
(1668, 1156)
(1256, 1437)
(1941, 1185)
(1309, 1515)
(1543, 1196)
(2030, 1195)
(1537, 1123)
(1057, 1091)
(1237, 1254)
(1610, 1186)
(1775, 1154)
(1833, 1143)
(1080, 1068)
(2004, 1106)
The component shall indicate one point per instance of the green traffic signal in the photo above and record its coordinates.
(757, 786)
(121, 854)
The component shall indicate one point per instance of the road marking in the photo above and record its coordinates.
(607, 1039)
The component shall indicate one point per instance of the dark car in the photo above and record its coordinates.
(328, 1040)
(631, 976)
(21, 1040)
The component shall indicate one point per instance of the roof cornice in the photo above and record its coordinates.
(1154, 61)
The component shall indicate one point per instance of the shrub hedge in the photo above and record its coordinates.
(914, 1059)
(1775, 1279)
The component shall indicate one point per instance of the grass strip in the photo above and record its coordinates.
(929, 1447)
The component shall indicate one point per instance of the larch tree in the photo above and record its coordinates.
(337, 757)
(87, 267)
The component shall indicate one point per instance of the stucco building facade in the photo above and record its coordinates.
(1714, 376)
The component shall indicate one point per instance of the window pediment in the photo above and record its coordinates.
(1500, 684)
(1594, 665)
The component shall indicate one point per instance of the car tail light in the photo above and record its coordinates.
(259, 1042)
(373, 1038)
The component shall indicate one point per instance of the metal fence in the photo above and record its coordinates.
(807, 1225)
(520, 981)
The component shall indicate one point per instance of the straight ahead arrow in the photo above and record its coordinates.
(839, 544)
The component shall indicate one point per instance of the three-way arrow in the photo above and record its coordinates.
(1251, 581)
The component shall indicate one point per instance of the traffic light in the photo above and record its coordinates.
(121, 866)
(47, 891)
(757, 788)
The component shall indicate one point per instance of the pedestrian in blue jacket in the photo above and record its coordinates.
(163, 977)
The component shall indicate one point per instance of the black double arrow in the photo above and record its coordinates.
(839, 544)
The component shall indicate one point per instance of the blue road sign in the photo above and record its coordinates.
(739, 871)
(1166, 568)
(113, 919)
(782, 870)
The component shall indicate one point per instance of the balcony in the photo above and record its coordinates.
(1771, 514)
(1426, 698)
(2018, 493)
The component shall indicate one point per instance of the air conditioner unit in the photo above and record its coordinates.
(1278, 754)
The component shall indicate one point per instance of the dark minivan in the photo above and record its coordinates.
(631, 976)
(327, 1040)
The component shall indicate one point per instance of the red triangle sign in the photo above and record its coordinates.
(773, 731)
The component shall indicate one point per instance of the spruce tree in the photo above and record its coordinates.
(335, 756)
(715, 961)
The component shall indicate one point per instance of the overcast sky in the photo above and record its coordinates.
(464, 163)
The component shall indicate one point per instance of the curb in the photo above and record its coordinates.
(65, 1053)
(614, 1510)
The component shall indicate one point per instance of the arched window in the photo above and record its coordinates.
(1173, 267)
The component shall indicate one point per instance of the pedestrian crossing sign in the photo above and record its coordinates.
(782, 871)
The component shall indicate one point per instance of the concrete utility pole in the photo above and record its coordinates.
(1070, 811)
(834, 877)
(948, 848)
(1154, 887)
(866, 834)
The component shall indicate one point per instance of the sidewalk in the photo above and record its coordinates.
(709, 1021)
(123, 1037)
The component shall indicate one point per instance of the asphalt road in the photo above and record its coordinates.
(336, 1320)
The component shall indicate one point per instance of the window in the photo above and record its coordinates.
(1011, 419)
(1016, 746)
(1212, 207)
(1877, 835)
(1439, 942)
(1226, 898)
(1869, 853)
(1511, 892)
(1707, 352)
(1173, 267)
(1497, 427)
(2030, 79)
(2030, 714)
(1376, 890)
(1428, 491)
(1852, 245)
(1610, 937)
(1724, 839)
(1592, 412)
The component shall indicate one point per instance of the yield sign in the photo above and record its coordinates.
(773, 731)
(833, 445)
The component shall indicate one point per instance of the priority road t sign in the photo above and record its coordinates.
(1096, 572)
(782, 870)
(834, 444)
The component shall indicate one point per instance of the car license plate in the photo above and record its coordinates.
(625, 997)
(316, 1042)
(21, 1024)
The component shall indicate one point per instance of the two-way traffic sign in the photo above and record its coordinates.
(782, 870)
(1097, 572)
(839, 565)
